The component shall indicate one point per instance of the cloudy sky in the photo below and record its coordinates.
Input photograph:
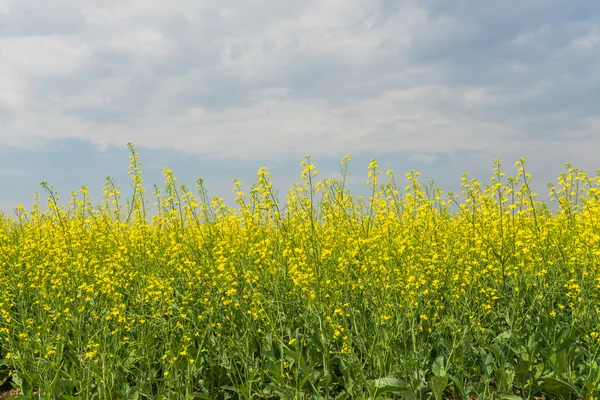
(215, 89)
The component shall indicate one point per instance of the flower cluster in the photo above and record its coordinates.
(323, 295)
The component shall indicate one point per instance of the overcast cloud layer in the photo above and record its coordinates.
(277, 79)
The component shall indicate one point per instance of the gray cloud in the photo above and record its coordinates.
(274, 78)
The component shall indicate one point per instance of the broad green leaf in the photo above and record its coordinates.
(438, 368)
(388, 385)
(557, 387)
(561, 363)
(506, 377)
(503, 336)
(438, 384)
(201, 396)
(507, 396)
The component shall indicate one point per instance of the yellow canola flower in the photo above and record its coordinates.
(183, 278)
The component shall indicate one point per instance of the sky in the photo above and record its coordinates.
(216, 89)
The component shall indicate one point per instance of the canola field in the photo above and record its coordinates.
(409, 292)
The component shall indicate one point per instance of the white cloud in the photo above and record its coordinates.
(274, 78)
(588, 41)
(42, 56)
(12, 91)
(4, 7)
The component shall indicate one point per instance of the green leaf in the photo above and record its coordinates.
(21, 384)
(503, 337)
(557, 387)
(507, 396)
(506, 377)
(387, 381)
(522, 373)
(538, 370)
(389, 385)
(458, 385)
(202, 396)
(438, 368)
(132, 393)
(438, 384)
(561, 363)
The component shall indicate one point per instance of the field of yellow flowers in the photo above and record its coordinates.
(408, 292)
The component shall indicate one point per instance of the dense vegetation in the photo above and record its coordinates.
(410, 292)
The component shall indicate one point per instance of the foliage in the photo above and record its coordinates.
(409, 293)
